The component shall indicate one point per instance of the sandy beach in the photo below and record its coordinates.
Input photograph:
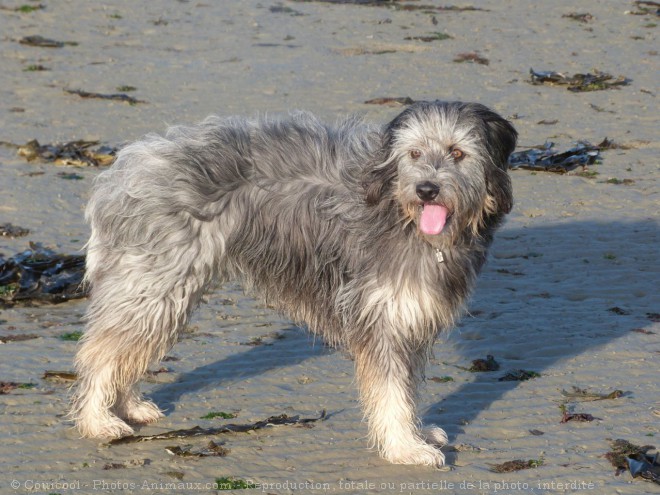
(570, 291)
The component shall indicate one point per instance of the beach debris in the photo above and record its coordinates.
(585, 17)
(78, 153)
(547, 159)
(41, 275)
(515, 465)
(537, 433)
(18, 338)
(6, 387)
(391, 101)
(595, 81)
(197, 431)
(583, 394)
(13, 231)
(626, 456)
(212, 450)
(472, 57)
(483, 365)
(518, 376)
(60, 376)
(114, 96)
(40, 41)
(429, 37)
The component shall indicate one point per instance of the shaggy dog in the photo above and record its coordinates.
(372, 236)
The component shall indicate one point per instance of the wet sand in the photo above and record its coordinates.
(573, 249)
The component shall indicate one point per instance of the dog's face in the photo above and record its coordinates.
(446, 166)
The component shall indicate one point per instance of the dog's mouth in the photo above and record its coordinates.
(433, 218)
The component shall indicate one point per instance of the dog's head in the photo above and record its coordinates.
(445, 163)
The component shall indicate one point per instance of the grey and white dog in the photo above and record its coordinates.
(372, 236)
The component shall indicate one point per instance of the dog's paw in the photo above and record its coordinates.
(435, 436)
(141, 412)
(107, 426)
(421, 454)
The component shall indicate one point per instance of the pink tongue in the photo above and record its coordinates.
(433, 219)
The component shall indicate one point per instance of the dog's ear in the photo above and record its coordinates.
(382, 170)
(500, 137)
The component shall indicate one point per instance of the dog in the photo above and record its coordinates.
(372, 236)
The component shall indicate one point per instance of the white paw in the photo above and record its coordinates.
(103, 426)
(421, 454)
(434, 435)
(141, 412)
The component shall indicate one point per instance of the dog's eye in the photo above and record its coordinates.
(415, 154)
(457, 154)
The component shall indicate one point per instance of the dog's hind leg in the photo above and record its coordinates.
(140, 300)
(388, 373)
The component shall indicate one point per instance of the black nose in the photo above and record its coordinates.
(427, 191)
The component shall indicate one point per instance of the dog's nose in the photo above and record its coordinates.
(427, 191)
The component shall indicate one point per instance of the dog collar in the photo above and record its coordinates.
(439, 256)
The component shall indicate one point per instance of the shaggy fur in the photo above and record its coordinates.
(326, 223)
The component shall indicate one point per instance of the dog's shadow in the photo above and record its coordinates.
(296, 347)
(547, 294)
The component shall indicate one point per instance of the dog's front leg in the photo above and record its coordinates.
(388, 372)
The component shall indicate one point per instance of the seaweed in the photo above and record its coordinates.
(576, 417)
(6, 387)
(70, 176)
(482, 365)
(547, 159)
(102, 96)
(634, 458)
(646, 8)
(71, 336)
(518, 376)
(79, 153)
(515, 465)
(18, 338)
(40, 41)
(60, 376)
(397, 5)
(584, 395)
(41, 275)
(212, 450)
(595, 81)
(584, 18)
(429, 37)
(197, 431)
(472, 57)
(24, 9)
(219, 414)
(231, 483)
(13, 231)
(441, 379)
(391, 101)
